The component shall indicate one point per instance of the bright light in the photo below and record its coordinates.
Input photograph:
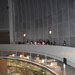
(21, 56)
(27, 57)
(13, 55)
(43, 60)
(51, 64)
(24, 35)
(50, 32)
(43, 72)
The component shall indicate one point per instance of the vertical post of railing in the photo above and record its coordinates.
(16, 53)
(45, 59)
(64, 68)
(64, 65)
(30, 56)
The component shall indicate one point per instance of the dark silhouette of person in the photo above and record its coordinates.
(64, 44)
(48, 42)
(54, 43)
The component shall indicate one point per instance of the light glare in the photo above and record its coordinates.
(50, 32)
(24, 35)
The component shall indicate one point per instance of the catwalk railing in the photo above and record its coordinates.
(56, 52)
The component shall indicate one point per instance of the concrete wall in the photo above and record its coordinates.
(36, 18)
(4, 19)
(58, 52)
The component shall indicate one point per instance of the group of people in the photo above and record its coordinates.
(38, 42)
(41, 42)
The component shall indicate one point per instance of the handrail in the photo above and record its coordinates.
(58, 52)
